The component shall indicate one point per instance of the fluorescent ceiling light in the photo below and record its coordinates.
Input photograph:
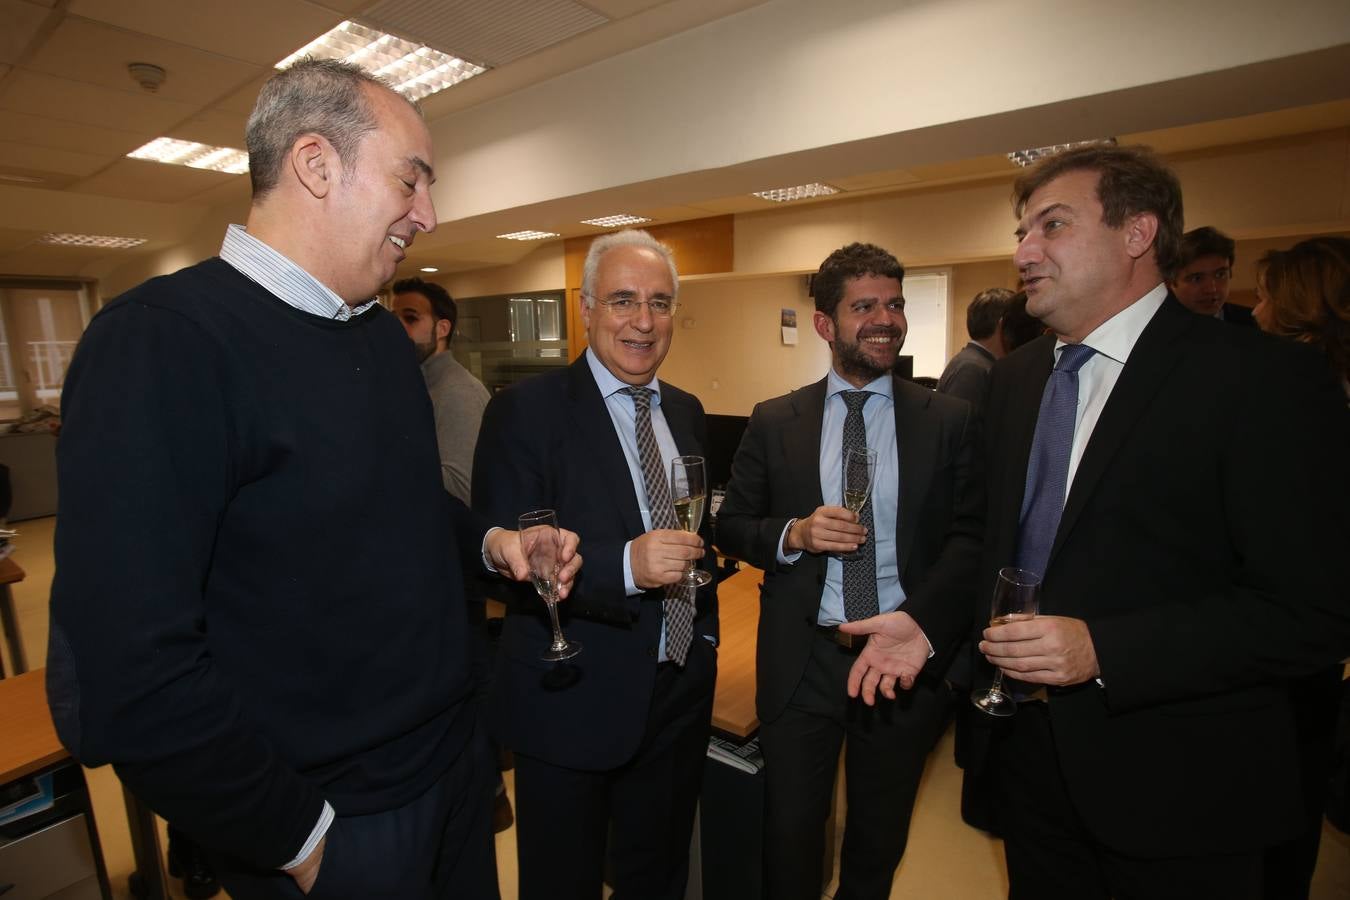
(197, 156)
(615, 221)
(429, 269)
(415, 70)
(1027, 157)
(800, 192)
(105, 241)
(528, 235)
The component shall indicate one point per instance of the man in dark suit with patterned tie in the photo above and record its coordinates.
(1189, 536)
(611, 745)
(914, 548)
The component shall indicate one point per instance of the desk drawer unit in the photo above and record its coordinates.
(53, 863)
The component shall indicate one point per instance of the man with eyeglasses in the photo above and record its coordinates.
(913, 549)
(1204, 274)
(610, 745)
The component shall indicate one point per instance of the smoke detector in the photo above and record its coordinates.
(148, 75)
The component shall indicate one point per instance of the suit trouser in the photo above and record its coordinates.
(885, 748)
(438, 847)
(643, 811)
(1050, 852)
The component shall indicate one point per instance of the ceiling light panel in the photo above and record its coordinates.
(615, 221)
(528, 235)
(800, 192)
(1027, 157)
(103, 241)
(189, 153)
(415, 70)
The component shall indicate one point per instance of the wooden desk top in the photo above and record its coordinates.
(10, 571)
(734, 701)
(30, 742)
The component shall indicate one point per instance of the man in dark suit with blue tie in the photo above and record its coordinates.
(914, 548)
(1189, 534)
(611, 744)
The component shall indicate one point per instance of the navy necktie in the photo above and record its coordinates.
(679, 605)
(1048, 468)
(860, 568)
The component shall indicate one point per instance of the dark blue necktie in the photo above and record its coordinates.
(1048, 468)
(860, 568)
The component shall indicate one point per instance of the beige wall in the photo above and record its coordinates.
(541, 270)
(728, 348)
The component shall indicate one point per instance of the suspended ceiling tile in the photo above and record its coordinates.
(491, 34)
(94, 53)
(73, 101)
(622, 9)
(55, 134)
(136, 179)
(23, 21)
(258, 31)
(214, 127)
(14, 238)
(34, 178)
(26, 156)
(242, 100)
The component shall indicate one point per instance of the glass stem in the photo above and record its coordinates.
(997, 687)
(558, 640)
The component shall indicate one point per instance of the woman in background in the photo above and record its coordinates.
(1304, 295)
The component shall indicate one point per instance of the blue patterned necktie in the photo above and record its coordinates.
(860, 568)
(1048, 468)
(679, 603)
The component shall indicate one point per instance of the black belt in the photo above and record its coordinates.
(853, 643)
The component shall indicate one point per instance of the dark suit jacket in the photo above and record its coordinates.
(776, 476)
(1199, 542)
(1237, 314)
(548, 442)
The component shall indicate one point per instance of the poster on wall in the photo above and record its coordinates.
(789, 326)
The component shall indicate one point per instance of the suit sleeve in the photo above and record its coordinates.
(145, 473)
(745, 528)
(1286, 495)
(942, 603)
(521, 464)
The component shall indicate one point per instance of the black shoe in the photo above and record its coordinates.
(188, 862)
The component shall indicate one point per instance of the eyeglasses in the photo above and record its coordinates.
(622, 307)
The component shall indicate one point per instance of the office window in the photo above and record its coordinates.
(40, 324)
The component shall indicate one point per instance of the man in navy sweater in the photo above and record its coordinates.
(258, 611)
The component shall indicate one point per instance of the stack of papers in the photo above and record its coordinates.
(7, 537)
(745, 757)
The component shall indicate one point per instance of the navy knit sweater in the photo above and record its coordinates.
(258, 602)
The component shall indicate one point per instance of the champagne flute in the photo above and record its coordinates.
(689, 493)
(542, 544)
(1017, 596)
(860, 470)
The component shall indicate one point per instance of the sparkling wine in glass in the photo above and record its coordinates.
(860, 470)
(542, 544)
(689, 493)
(1017, 596)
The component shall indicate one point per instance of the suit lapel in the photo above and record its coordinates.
(916, 449)
(801, 443)
(1154, 356)
(606, 453)
(1024, 406)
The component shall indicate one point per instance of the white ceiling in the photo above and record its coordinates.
(69, 112)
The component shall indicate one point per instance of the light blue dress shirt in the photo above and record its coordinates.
(879, 420)
(623, 414)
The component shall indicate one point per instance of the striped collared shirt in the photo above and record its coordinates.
(280, 276)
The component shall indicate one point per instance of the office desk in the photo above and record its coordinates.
(738, 608)
(54, 852)
(10, 573)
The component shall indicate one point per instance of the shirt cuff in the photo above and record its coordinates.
(487, 564)
(320, 829)
(783, 557)
(629, 585)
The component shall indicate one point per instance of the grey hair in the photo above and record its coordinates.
(320, 96)
(629, 237)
